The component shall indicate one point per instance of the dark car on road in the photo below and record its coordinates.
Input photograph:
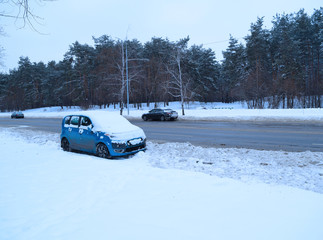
(17, 115)
(160, 114)
(104, 134)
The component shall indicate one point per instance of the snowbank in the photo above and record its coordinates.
(169, 192)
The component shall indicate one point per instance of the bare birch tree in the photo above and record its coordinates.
(178, 85)
(121, 67)
(175, 85)
(22, 11)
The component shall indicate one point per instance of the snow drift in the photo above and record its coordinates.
(168, 192)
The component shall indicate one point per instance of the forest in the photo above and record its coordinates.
(279, 67)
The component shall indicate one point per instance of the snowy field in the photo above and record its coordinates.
(171, 191)
(197, 111)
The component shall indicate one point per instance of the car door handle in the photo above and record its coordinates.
(81, 131)
(70, 129)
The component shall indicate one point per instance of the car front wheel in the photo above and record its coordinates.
(102, 151)
(145, 118)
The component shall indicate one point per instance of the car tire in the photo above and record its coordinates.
(102, 151)
(145, 118)
(65, 145)
(162, 118)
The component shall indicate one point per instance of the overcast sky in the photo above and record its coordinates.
(207, 22)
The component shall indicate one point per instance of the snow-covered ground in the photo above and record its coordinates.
(198, 111)
(171, 191)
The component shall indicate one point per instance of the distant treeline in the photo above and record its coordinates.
(282, 65)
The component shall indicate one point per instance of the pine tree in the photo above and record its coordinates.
(258, 58)
(233, 71)
(284, 61)
(303, 35)
(317, 22)
(204, 71)
(158, 51)
(83, 60)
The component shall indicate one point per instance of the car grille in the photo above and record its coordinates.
(118, 145)
(131, 149)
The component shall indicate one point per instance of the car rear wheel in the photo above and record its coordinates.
(65, 145)
(102, 151)
(162, 118)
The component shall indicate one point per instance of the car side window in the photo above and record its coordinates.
(74, 121)
(85, 122)
(67, 121)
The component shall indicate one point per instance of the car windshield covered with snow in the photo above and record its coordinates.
(102, 133)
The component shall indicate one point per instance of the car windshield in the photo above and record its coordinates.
(110, 122)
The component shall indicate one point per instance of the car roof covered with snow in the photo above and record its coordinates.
(109, 122)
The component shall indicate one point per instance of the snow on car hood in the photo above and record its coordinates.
(115, 125)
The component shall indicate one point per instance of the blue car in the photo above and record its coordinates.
(104, 134)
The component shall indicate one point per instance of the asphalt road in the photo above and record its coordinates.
(253, 135)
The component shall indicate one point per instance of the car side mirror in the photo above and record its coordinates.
(90, 128)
